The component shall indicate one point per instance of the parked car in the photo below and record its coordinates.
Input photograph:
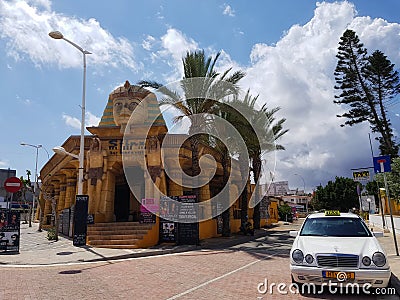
(334, 247)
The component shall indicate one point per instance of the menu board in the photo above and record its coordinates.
(80, 220)
(264, 208)
(188, 227)
(147, 217)
(9, 231)
(220, 224)
(65, 221)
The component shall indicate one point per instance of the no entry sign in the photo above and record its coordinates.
(13, 184)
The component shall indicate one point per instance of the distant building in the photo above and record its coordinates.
(278, 188)
(293, 197)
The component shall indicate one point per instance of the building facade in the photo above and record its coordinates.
(130, 159)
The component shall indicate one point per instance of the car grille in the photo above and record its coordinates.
(338, 260)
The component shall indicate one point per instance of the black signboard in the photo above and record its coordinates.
(220, 223)
(60, 219)
(188, 227)
(65, 221)
(217, 210)
(147, 217)
(80, 220)
(264, 208)
(9, 231)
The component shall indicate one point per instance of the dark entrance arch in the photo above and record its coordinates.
(126, 206)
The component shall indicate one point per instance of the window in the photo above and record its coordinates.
(334, 226)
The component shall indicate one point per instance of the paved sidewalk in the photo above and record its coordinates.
(387, 242)
(36, 249)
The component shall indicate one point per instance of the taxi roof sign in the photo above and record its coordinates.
(332, 213)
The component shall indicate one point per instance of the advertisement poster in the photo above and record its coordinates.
(167, 231)
(148, 210)
(9, 231)
(169, 208)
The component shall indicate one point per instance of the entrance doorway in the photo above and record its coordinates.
(121, 202)
(126, 206)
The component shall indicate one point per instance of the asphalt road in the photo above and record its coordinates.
(251, 270)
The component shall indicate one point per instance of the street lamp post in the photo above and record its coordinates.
(369, 207)
(58, 35)
(304, 183)
(35, 187)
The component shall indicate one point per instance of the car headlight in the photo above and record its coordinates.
(298, 256)
(379, 259)
(309, 258)
(366, 261)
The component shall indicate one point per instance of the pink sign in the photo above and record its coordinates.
(150, 205)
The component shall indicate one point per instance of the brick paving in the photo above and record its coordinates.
(219, 269)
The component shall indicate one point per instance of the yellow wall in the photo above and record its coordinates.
(152, 236)
(208, 229)
(273, 212)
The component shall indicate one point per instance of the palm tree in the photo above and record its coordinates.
(202, 88)
(260, 131)
(264, 119)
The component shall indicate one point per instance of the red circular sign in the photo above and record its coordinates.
(13, 184)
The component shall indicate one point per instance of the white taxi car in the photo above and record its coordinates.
(337, 247)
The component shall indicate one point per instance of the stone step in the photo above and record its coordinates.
(116, 237)
(113, 242)
(119, 228)
(117, 246)
(121, 224)
(110, 232)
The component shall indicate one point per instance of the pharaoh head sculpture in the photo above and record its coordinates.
(125, 100)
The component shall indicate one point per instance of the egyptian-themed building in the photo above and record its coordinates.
(126, 160)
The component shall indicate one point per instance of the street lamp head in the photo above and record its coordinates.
(62, 151)
(31, 145)
(368, 199)
(56, 35)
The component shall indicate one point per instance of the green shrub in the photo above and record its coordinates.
(51, 234)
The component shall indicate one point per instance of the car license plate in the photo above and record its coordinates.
(341, 276)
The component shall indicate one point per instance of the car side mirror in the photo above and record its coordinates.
(378, 234)
(293, 233)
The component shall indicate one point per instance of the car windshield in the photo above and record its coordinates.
(335, 226)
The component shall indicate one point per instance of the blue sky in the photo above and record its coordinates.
(287, 48)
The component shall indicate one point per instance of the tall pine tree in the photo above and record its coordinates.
(367, 85)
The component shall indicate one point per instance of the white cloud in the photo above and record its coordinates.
(46, 4)
(228, 10)
(71, 121)
(147, 43)
(3, 164)
(90, 120)
(174, 45)
(296, 74)
(25, 28)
